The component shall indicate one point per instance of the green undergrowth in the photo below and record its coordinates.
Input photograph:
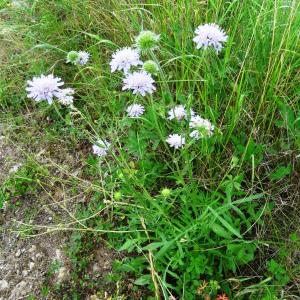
(217, 217)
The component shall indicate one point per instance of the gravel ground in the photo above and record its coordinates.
(24, 262)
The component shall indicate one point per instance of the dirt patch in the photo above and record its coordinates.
(27, 264)
(23, 262)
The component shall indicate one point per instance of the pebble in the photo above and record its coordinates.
(18, 253)
(38, 256)
(96, 268)
(62, 274)
(58, 254)
(3, 285)
(32, 248)
(31, 265)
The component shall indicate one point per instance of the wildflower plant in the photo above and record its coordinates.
(164, 143)
(166, 189)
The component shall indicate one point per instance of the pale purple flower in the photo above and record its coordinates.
(139, 82)
(178, 112)
(210, 35)
(65, 96)
(101, 148)
(83, 58)
(124, 59)
(175, 140)
(135, 110)
(44, 88)
(201, 127)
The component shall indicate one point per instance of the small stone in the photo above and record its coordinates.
(24, 273)
(62, 274)
(18, 253)
(32, 248)
(38, 256)
(96, 268)
(58, 254)
(31, 265)
(3, 285)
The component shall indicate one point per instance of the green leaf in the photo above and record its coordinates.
(128, 245)
(220, 231)
(143, 280)
(153, 246)
(225, 223)
(281, 172)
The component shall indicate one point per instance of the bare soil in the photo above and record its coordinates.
(25, 262)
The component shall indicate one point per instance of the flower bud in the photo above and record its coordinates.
(166, 192)
(151, 67)
(147, 40)
(72, 57)
(117, 196)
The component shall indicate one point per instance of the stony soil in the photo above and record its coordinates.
(25, 262)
